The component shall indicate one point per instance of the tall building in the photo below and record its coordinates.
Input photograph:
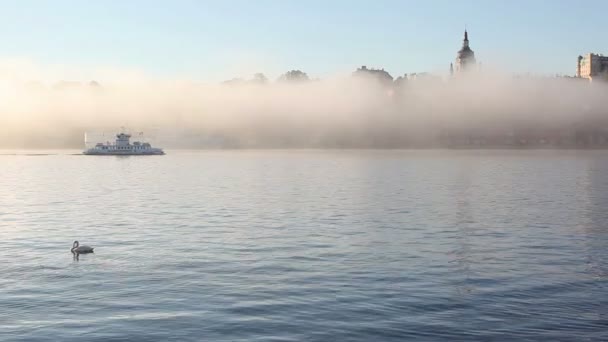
(465, 59)
(592, 66)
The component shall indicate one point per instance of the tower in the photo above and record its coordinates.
(578, 66)
(465, 58)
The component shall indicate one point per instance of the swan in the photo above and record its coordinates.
(77, 249)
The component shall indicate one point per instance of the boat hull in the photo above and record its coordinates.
(123, 153)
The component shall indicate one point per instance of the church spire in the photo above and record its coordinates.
(465, 59)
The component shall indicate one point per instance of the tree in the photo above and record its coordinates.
(259, 78)
(234, 82)
(94, 84)
(294, 76)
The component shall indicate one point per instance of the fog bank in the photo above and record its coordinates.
(340, 112)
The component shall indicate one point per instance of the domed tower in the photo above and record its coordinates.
(465, 59)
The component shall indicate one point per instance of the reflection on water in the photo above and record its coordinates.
(462, 188)
(306, 245)
(595, 230)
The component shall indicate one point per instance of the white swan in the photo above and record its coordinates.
(77, 249)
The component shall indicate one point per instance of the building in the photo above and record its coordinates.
(592, 66)
(465, 59)
(379, 74)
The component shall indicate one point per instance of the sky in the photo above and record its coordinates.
(205, 40)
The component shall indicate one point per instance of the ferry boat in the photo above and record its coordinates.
(123, 147)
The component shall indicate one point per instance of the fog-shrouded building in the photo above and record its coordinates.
(379, 74)
(465, 58)
(592, 66)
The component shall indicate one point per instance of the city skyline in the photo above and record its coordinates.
(214, 41)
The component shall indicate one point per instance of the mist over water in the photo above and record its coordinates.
(337, 112)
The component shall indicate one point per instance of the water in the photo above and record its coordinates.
(305, 246)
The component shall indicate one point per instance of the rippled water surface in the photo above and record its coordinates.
(305, 246)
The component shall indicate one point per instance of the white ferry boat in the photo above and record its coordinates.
(123, 147)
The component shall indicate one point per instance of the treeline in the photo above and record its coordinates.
(297, 76)
(292, 76)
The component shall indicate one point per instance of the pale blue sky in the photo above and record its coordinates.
(216, 40)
